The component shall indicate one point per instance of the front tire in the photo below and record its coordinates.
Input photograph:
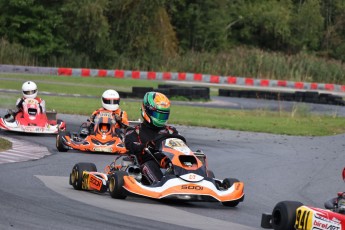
(227, 183)
(116, 183)
(76, 176)
(59, 142)
(284, 215)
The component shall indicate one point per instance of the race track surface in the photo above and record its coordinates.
(36, 194)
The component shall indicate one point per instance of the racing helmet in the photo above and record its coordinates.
(29, 89)
(110, 100)
(155, 109)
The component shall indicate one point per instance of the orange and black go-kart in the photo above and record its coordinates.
(186, 177)
(103, 137)
(31, 120)
(293, 215)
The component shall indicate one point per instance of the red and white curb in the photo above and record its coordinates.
(22, 151)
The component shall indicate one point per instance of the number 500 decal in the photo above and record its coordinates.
(302, 219)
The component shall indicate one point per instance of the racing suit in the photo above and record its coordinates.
(41, 102)
(120, 117)
(136, 140)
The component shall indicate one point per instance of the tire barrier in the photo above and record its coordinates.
(298, 96)
(176, 76)
(191, 93)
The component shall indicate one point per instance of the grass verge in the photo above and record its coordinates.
(5, 144)
(299, 121)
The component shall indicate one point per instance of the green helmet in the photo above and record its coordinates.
(155, 109)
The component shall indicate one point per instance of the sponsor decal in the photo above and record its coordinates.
(105, 114)
(321, 224)
(95, 182)
(307, 219)
(192, 187)
(178, 144)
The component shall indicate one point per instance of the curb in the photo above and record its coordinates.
(22, 151)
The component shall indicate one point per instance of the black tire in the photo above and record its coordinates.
(59, 142)
(227, 183)
(76, 176)
(116, 182)
(284, 215)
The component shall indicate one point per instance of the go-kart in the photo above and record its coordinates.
(101, 136)
(31, 120)
(293, 215)
(186, 177)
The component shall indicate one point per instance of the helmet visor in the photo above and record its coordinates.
(111, 101)
(159, 114)
(30, 92)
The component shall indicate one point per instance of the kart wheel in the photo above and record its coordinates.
(76, 176)
(284, 215)
(115, 185)
(227, 183)
(59, 142)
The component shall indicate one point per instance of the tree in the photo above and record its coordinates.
(86, 29)
(32, 24)
(306, 26)
(263, 23)
(200, 25)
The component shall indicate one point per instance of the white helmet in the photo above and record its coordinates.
(110, 100)
(29, 89)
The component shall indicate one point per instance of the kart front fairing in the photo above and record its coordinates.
(172, 187)
(32, 120)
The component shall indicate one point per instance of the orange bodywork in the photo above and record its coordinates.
(179, 187)
(103, 138)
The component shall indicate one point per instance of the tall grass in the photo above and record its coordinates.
(239, 61)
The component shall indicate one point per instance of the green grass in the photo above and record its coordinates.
(299, 121)
(5, 144)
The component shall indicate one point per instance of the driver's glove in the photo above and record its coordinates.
(118, 118)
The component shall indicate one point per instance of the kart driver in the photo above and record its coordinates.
(29, 90)
(110, 103)
(155, 111)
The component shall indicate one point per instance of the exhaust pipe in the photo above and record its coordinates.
(133, 170)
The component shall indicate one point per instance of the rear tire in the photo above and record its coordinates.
(116, 183)
(76, 176)
(59, 142)
(284, 215)
(227, 183)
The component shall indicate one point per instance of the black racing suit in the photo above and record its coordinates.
(136, 140)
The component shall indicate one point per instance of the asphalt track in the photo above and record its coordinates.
(36, 194)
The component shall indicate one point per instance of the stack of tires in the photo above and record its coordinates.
(190, 93)
(299, 96)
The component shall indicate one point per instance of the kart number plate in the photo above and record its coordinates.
(33, 129)
(102, 149)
